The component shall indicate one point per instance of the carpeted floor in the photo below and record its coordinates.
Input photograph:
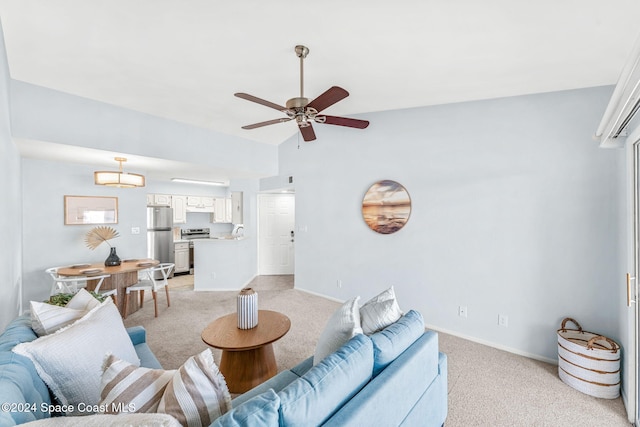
(487, 387)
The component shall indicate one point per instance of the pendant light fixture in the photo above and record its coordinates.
(118, 179)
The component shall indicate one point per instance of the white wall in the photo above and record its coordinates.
(10, 194)
(47, 115)
(48, 242)
(514, 212)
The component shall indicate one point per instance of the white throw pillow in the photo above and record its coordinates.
(343, 325)
(47, 318)
(83, 300)
(69, 361)
(195, 394)
(380, 312)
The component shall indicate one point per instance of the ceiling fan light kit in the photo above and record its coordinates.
(306, 112)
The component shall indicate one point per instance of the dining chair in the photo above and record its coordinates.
(151, 282)
(72, 284)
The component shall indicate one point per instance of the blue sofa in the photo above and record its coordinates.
(396, 377)
(19, 381)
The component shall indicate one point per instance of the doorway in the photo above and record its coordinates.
(276, 234)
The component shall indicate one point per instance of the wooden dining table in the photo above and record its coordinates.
(121, 276)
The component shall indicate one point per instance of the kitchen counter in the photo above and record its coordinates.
(224, 263)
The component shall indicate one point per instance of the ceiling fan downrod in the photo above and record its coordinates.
(297, 106)
(302, 52)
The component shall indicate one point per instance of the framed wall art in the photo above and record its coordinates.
(80, 210)
(386, 207)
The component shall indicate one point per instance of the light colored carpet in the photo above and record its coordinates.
(487, 387)
(174, 335)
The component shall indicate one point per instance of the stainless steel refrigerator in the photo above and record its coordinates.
(160, 235)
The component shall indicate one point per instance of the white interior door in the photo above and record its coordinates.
(276, 235)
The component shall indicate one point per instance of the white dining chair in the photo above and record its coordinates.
(72, 284)
(150, 282)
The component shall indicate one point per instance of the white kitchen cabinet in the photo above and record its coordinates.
(159, 199)
(222, 211)
(237, 216)
(179, 205)
(200, 204)
(181, 257)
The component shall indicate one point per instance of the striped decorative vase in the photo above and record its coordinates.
(247, 309)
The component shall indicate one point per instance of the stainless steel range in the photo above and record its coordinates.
(192, 234)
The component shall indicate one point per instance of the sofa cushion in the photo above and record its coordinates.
(260, 410)
(314, 397)
(70, 359)
(343, 324)
(19, 385)
(396, 338)
(301, 368)
(277, 383)
(17, 331)
(393, 394)
(380, 312)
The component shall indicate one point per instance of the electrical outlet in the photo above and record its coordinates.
(503, 320)
(135, 230)
(462, 311)
(339, 283)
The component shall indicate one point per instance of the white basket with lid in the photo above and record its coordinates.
(588, 362)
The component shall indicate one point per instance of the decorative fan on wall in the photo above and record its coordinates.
(305, 112)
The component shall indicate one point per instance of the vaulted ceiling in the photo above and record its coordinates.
(184, 60)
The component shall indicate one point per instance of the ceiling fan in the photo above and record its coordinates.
(305, 112)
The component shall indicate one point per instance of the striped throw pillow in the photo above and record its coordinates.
(128, 388)
(197, 394)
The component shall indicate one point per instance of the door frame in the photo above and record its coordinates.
(632, 389)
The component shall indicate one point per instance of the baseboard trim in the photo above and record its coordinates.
(494, 345)
(319, 295)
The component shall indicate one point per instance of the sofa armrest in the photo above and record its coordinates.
(137, 334)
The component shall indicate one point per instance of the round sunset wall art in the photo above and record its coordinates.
(386, 207)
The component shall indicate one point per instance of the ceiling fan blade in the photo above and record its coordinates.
(345, 121)
(328, 98)
(307, 133)
(267, 123)
(260, 101)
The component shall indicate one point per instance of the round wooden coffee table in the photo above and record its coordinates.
(247, 354)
